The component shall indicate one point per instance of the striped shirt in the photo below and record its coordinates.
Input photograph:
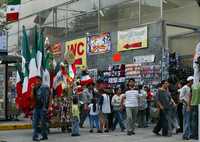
(131, 98)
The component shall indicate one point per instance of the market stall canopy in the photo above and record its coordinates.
(10, 59)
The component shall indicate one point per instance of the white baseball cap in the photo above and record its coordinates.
(190, 78)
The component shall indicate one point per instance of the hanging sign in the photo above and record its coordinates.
(135, 38)
(97, 44)
(144, 59)
(78, 48)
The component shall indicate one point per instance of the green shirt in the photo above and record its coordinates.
(75, 111)
(195, 95)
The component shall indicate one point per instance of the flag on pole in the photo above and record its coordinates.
(18, 86)
(40, 54)
(33, 70)
(25, 60)
(12, 10)
(72, 71)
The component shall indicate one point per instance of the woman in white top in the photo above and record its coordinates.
(94, 115)
(131, 104)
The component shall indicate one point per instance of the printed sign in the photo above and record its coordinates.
(132, 39)
(144, 59)
(97, 44)
(78, 48)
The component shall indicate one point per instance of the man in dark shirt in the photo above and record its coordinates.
(165, 103)
(41, 95)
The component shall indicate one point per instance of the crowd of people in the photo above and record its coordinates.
(129, 106)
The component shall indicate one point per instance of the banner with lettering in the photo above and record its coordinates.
(98, 44)
(135, 38)
(78, 48)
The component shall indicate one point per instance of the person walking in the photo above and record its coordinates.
(94, 115)
(131, 103)
(116, 103)
(105, 108)
(164, 102)
(142, 107)
(185, 97)
(75, 118)
(41, 96)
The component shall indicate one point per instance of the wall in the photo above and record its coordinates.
(155, 42)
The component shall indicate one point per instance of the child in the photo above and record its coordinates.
(94, 118)
(75, 118)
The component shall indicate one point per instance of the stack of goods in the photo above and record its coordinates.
(133, 71)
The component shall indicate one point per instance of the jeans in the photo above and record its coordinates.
(40, 123)
(186, 123)
(75, 126)
(118, 119)
(162, 124)
(131, 118)
(141, 118)
(194, 122)
(94, 119)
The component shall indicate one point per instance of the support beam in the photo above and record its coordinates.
(185, 26)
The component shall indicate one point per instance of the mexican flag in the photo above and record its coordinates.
(18, 86)
(40, 53)
(12, 10)
(72, 71)
(33, 70)
(25, 60)
(46, 79)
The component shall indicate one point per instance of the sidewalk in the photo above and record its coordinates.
(14, 125)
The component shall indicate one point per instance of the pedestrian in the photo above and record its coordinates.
(105, 108)
(116, 103)
(41, 96)
(179, 107)
(131, 103)
(164, 102)
(142, 107)
(185, 97)
(94, 115)
(149, 102)
(75, 118)
(87, 96)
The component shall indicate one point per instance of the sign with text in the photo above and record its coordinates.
(78, 48)
(135, 38)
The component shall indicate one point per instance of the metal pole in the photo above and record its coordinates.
(99, 16)
(161, 9)
(199, 122)
(140, 12)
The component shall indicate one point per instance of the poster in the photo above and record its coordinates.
(56, 49)
(135, 38)
(3, 41)
(78, 48)
(93, 73)
(98, 44)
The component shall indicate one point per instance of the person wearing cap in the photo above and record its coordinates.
(185, 97)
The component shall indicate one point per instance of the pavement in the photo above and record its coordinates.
(142, 135)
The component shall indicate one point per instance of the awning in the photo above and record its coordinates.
(10, 59)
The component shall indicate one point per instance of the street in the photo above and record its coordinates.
(142, 135)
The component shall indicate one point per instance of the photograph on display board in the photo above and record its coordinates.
(135, 38)
(98, 44)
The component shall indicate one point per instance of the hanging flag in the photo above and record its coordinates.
(86, 79)
(12, 12)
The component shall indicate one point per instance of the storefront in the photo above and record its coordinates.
(7, 83)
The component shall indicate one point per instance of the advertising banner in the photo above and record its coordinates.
(135, 38)
(97, 44)
(78, 48)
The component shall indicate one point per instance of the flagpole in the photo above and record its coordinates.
(199, 122)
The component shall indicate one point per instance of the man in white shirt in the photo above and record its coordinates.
(185, 97)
